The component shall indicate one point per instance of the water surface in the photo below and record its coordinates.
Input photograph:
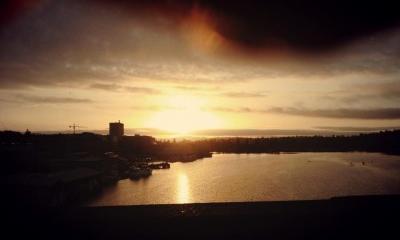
(261, 177)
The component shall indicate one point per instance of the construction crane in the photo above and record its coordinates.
(74, 127)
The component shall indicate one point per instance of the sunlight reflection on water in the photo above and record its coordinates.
(183, 190)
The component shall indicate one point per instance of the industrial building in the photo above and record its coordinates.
(116, 129)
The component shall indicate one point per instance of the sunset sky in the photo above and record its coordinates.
(177, 68)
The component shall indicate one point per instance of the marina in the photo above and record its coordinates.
(260, 177)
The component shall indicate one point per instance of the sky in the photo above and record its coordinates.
(185, 66)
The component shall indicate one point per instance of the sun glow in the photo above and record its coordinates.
(183, 115)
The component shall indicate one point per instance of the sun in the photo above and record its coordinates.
(183, 115)
(183, 121)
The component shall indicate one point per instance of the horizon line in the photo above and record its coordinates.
(242, 132)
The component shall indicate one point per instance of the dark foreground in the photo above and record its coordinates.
(348, 217)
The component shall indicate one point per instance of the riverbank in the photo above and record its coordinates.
(345, 218)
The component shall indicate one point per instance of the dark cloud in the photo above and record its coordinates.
(106, 87)
(385, 90)
(301, 25)
(142, 90)
(361, 93)
(350, 113)
(244, 94)
(308, 26)
(232, 110)
(191, 88)
(357, 129)
(116, 87)
(345, 113)
(11, 9)
(78, 43)
(51, 100)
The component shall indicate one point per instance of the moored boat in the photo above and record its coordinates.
(137, 173)
(159, 165)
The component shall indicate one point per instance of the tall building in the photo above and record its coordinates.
(116, 129)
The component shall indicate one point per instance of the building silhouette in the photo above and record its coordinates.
(116, 130)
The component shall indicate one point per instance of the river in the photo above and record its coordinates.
(260, 177)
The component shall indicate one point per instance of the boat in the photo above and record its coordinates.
(159, 165)
(137, 173)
